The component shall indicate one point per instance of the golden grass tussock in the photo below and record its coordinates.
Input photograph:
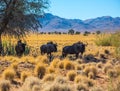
(90, 70)
(50, 70)
(68, 65)
(9, 74)
(5, 85)
(61, 65)
(117, 68)
(49, 77)
(99, 65)
(54, 63)
(71, 75)
(107, 67)
(81, 87)
(30, 82)
(112, 73)
(60, 80)
(78, 67)
(36, 88)
(40, 70)
(83, 79)
(79, 78)
(14, 65)
(59, 87)
(24, 75)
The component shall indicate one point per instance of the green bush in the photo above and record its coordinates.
(108, 40)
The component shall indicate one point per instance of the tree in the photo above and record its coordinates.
(20, 16)
(77, 32)
(98, 32)
(86, 33)
(71, 31)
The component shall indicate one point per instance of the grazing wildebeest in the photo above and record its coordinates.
(76, 48)
(48, 48)
(20, 48)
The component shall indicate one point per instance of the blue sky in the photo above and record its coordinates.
(84, 9)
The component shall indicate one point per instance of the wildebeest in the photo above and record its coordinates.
(76, 48)
(20, 48)
(48, 48)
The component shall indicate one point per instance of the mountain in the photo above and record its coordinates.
(53, 23)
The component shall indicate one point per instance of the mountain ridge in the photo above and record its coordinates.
(53, 23)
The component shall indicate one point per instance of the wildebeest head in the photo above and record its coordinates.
(80, 46)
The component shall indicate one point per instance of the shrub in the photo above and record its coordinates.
(117, 68)
(99, 65)
(107, 67)
(40, 70)
(4, 85)
(9, 74)
(84, 80)
(60, 80)
(14, 66)
(79, 78)
(54, 63)
(71, 75)
(30, 82)
(24, 75)
(81, 87)
(49, 77)
(68, 65)
(103, 40)
(91, 75)
(91, 69)
(36, 88)
(61, 64)
(59, 87)
(51, 70)
(112, 73)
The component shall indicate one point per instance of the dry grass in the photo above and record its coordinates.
(68, 65)
(5, 85)
(9, 74)
(90, 71)
(40, 70)
(58, 74)
(49, 77)
(71, 75)
(30, 82)
(81, 87)
(24, 75)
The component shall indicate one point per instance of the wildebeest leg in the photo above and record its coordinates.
(76, 55)
(81, 55)
(64, 54)
(42, 53)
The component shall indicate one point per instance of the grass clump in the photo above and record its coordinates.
(71, 75)
(81, 87)
(30, 82)
(4, 85)
(49, 77)
(24, 75)
(91, 71)
(59, 87)
(40, 70)
(68, 65)
(9, 74)
(112, 73)
(61, 64)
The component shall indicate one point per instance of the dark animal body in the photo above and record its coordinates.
(48, 48)
(20, 49)
(76, 48)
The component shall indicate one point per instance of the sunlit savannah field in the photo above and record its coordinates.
(34, 72)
